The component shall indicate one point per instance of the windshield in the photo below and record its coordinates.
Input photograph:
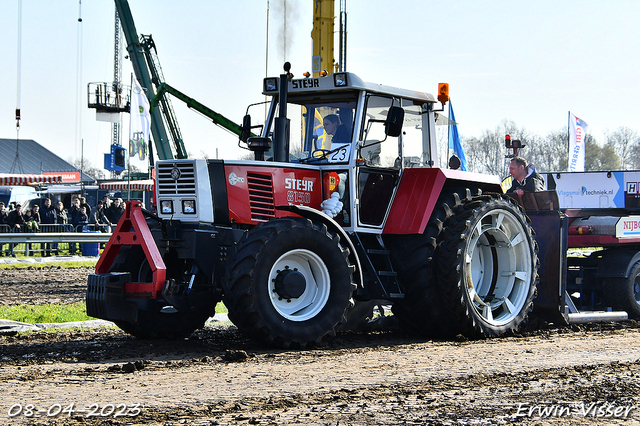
(321, 131)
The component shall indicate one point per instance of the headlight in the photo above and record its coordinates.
(270, 84)
(189, 206)
(340, 79)
(166, 207)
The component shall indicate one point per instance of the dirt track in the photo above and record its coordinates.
(41, 285)
(580, 375)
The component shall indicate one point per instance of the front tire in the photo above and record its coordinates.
(488, 267)
(289, 283)
(166, 323)
(160, 321)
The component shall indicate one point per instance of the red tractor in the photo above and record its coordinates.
(343, 204)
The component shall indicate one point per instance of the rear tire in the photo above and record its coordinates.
(289, 283)
(623, 294)
(487, 267)
(414, 258)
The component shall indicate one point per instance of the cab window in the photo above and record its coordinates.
(376, 148)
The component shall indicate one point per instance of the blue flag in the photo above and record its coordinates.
(454, 140)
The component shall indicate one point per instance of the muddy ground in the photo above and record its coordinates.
(587, 375)
(41, 285)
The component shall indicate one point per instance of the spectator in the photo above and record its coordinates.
(83, 218)
(35, 214)
(83, 203)
(3, 221)
(61, 214)
(61, 219)
(100, 221)
(99, 218)
(115, 211)
(106, 201)
(48, 217)
(32, 224)
(74, 213)
(15, 222)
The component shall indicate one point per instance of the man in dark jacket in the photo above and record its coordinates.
(98, 217)
(74, 215)
(114, 212)
(525, 178)
(61, 219)
(3, 221)
(83, 203)
(15, 222)
(48, 217)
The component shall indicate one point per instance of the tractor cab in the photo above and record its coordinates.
(360, 135)
(339, 119)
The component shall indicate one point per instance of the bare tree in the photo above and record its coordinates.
(487, 154)
(550, 153)
(635, 156)
(87, 168)
(599, 158)
(623, 141)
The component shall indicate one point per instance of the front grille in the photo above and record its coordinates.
(261, 197)
(184, 185)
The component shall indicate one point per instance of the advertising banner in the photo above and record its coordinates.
(139, 128)
(577, 130)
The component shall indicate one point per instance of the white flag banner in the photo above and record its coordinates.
(577, 131)
(139, 128)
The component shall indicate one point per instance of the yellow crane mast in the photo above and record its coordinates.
(322, 35)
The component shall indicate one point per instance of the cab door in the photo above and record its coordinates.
(379, 165)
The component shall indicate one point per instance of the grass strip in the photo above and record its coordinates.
(36, 314)
(61, 264)
(56, 313)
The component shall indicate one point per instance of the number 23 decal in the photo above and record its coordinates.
(341, 154)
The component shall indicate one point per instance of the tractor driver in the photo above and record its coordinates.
(339, 132)
(525, 177)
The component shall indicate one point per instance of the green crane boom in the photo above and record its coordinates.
(217, 118)
(146, 66)
(142, 71)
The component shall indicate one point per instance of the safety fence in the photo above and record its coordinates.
(53, 240)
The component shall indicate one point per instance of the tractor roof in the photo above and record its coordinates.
(343, 81)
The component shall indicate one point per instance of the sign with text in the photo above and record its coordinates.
(67, 177)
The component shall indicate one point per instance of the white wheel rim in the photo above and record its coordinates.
(498, 265)
(317, 288)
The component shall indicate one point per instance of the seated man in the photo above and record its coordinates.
(339, 132)
(525, 178)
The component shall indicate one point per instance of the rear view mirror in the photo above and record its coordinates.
(394, 121)
(245, 130)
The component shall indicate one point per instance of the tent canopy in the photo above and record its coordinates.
(123, 185)
(26, 179)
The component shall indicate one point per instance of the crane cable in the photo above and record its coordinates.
(19, 66)
(78, 81)
(16, 161)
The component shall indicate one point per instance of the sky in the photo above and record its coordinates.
(530, 62)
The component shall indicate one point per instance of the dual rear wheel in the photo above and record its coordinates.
(476, 271)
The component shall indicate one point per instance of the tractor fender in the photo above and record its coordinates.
(313, 214)
(418, 193)
(617, 263)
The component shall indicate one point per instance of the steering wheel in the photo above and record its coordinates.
(317, 155)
